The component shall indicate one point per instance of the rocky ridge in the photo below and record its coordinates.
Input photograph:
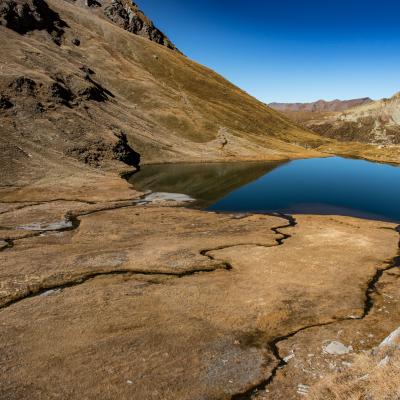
(127, 15)
(377, 122)
(320, 105)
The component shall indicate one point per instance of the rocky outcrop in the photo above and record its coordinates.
(128, 16)
(24, 16)
(64, 89)
(96, 152)
(123, 152)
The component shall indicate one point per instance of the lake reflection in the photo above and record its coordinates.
(333, 185)
(207, 183)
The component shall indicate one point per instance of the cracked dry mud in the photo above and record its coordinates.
(161, 302)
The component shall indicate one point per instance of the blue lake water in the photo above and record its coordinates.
(335, 185)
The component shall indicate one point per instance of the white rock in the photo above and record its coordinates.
(302, 389)
(353, 317)
(347, 364)
(50, 292)
(52, 226)
(364, 377)
(289, 357)
(161, 196)
(393, 340)
(337, 348)
(384, 362)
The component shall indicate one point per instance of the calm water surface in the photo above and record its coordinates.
(317, 186)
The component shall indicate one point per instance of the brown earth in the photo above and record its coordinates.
(104, 294)
(155, 301)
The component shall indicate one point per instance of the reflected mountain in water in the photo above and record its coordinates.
(329, 186)
(207, 183)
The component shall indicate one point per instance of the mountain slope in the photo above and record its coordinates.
(75, 86)
(376, 123)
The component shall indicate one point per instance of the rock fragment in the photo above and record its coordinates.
(393, 340)
(337, 348)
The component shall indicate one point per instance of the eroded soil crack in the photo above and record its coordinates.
(273, 345)
(73, 223)
(71, 219)
(279, 241)
(83, 278)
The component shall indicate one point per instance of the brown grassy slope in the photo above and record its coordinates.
(171, 108)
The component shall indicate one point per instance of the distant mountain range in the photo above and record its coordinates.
(359, 120)
(376, 122)
(320, 105)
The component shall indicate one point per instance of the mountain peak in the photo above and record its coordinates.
(127, 15)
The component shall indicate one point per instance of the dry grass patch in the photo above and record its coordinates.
(373, 376)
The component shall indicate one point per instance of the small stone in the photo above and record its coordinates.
(129, 382)
(289, 357)
(337, 348)
(302, 389)
(346, 364)
(393, 340)
(353, 317)
(384, 362)
(50, 292)
(76, 42)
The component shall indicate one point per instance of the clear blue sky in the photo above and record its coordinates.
(290, 50)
